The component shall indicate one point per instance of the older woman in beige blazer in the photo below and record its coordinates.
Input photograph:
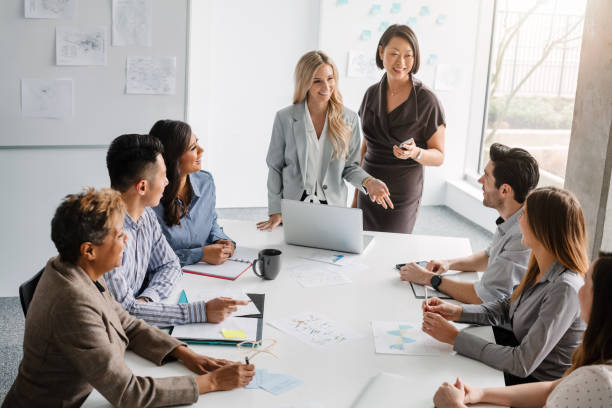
(315, 145)
(76, 334)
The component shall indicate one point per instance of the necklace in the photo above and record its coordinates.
(398, 90)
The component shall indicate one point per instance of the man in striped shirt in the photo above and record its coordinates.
(150, 269)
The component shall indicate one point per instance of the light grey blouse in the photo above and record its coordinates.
(545, 320)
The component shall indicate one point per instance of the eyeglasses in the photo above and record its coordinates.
(249, 346)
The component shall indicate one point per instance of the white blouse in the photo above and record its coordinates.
(586, 387)
(314, 165)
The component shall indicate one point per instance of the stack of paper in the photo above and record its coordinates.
(246, 326)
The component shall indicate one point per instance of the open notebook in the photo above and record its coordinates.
(231, 269)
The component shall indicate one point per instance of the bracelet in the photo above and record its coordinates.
(418, 157)
(366, 180)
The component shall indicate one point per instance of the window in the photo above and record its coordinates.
(532, 80)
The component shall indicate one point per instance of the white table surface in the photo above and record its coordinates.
(333, 377)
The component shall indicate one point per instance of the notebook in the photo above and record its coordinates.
(250, 327)
(231, 269)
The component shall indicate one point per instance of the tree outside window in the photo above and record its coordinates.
(533, 75)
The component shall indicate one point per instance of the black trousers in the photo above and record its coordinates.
(505, 337)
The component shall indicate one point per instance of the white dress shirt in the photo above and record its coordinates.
(314, 165)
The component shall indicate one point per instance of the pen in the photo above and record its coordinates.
(246, 359)
(426, 299)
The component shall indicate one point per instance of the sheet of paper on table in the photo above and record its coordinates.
(316, 330)
(406, 338)
(273, 383)
(326, 256)
(197, 295)
(214, 331)
(311, 274)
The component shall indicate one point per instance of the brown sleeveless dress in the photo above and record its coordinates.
(418, 117)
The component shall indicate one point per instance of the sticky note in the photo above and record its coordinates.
(341, 2)
(383, 26)
(366, 35)
(396, 8)
(441, 19)
(433, 58)
(233, 334)
(375, 10)
(424, 11)
(412, 21)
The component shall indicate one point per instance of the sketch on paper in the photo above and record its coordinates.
(50, 8)
(43, 98)
(405, 338)
(316, 274)
(361, 64)
(132, 22)
(151, 75)
(77, 46)
(315, 330)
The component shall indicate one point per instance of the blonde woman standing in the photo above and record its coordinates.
(315, 145)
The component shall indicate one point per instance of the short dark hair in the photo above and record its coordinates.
(515, 167)
(84, 217)
(401, 31)
(130, 158)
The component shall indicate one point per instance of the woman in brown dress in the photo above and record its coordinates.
(403, 127)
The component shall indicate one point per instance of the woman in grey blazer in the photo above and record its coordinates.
(315, 144)
(543, 312)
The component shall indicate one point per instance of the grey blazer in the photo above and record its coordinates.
(288, 153)
(75, 338)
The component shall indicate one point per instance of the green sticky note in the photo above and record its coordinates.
(233, 334)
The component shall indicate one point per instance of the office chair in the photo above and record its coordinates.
(26, 291)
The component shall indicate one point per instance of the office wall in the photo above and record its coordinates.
(247, 53)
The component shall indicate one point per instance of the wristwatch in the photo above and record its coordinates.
(436, 281)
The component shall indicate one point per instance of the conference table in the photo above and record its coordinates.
(335, 376)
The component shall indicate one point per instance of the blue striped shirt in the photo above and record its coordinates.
(150, 269)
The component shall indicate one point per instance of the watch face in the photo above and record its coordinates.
(435, 281)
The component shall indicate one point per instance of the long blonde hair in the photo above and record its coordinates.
(556, 220)
(339, 132)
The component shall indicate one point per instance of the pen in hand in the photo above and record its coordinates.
(426, 298)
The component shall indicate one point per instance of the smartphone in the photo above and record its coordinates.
(422, 264)
(409, 141)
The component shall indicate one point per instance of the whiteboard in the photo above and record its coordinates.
(102, 109)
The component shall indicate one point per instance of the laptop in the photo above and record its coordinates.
(324, 226)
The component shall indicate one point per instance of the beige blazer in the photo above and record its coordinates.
(75, 340)
(288, 153)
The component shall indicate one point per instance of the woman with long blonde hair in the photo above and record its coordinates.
(543, 312)
(315, 144)
(588, 382)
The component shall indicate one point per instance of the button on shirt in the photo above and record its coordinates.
(545, 320)
(199, 226)
(150, 269)
(508, 259)
(314, 165)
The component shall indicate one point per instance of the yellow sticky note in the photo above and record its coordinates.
(233, 334)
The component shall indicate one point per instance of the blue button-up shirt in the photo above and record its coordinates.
(150, 269)
(199, 226)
